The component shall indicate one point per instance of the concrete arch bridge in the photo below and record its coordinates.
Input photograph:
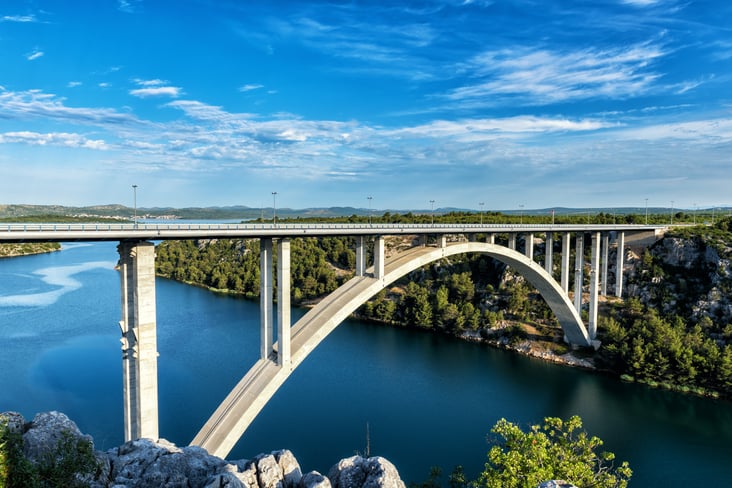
(294, 342)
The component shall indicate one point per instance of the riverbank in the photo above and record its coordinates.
(27, 249)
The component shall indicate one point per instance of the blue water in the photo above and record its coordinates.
(428, 400)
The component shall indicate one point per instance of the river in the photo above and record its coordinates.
(428, 400)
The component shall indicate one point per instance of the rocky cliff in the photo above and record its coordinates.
(52, 444)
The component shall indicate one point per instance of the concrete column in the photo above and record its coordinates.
(491, 239)
(379, 257)
(565, 262)
(620, 265)
(529, 246)
(265, 298)
(283, 302)
(579, 264)
(605, 247)
(471, 238)
(442, 240)
(549, 253)
(594, 284)
(512, 240)
(360, 256)
(139, 339)
(424, 240)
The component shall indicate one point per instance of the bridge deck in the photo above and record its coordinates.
(50, 232)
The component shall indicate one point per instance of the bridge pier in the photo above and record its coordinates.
(594, 284)
(512, 241)
(139, 339)
(549, 253)
(283, 303)
(379, 257)
(579, 264)
(529, 245)
(266, 329)
(565, 261)
(360, 256)
(620, 264)
(604, 259)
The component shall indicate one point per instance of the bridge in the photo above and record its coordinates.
(283, 349)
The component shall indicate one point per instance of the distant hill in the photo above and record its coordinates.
(242, 212)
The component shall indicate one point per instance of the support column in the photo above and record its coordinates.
(379, 257)
(139, 340)
(594, 284)
(605, 247)
(529, 245)
(265, 298)
(442, 240)
(549, 253)
(579, 263)
(565, 262)
(491, 239)
(283, 302)
(512, 240)
(620, 265)
(360, 256)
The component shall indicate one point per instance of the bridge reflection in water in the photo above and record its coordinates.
(295, 342)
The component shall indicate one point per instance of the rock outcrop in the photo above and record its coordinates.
(146, 463)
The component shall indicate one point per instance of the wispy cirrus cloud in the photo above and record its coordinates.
(35, 104)
(543, 76)
(64, 139)
(155, 88)
(19, 18)
(250, 87)
(35, 54)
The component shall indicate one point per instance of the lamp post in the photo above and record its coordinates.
(646, 211)
(481, 212)
(369, 199)
(694, 213)
(713, 209)
(274, 208)
(521, 217)
(134, 200)
(672, 212)
(432, 211)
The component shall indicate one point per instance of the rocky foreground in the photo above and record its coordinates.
(146, 463)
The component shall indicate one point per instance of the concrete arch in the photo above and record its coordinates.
(255, 389)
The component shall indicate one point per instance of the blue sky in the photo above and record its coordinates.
(507, 102)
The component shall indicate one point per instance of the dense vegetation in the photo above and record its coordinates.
(678, 331)
(557, 450)
(67, 465)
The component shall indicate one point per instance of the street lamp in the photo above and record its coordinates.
(672, 212)
(134, 197)
(274, 208)
(432, 211)
(369, 198)
(521, 218)
(481, 212)
(646, 211)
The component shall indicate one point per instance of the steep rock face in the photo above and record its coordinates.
(370, 472)
(144, 463)
(686, 276)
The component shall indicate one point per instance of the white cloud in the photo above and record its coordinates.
(19, 18)
(542, 76)
(34, 55)
(155, 82)
(64, 139)
(73, 84)
(246, 88)
(156, 91)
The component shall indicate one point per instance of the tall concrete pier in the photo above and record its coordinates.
(139, 339)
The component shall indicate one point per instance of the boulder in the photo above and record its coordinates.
(313, 479)
(359, 472)
(46, 431)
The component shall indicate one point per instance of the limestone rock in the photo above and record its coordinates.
(46, 431)
(313, 479)
(291, 471)
(14, 421)
(358, 472)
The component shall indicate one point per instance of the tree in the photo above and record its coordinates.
(556, 450)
